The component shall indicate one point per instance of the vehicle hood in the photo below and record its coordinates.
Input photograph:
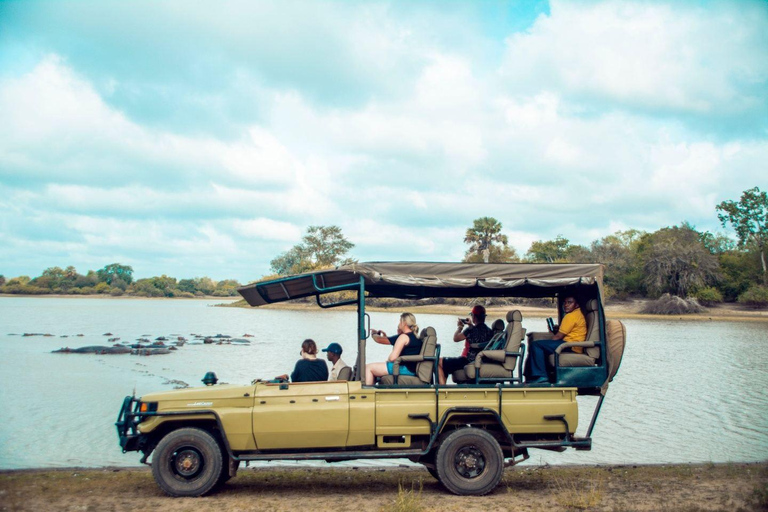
(200, 394)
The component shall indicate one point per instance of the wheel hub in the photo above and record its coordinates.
(469, 462)
(187, 463)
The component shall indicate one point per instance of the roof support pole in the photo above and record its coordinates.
(361, 334)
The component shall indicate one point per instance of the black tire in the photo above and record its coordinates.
(469, 462)
(187, 462)
(433, 472)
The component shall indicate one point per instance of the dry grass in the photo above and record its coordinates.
(579, 495)
(676, 488)
(407, 500)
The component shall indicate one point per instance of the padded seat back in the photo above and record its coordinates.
(424, 368)
(593, 327)
(514, 334)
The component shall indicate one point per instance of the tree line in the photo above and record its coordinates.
(678, 260)
(115, 280)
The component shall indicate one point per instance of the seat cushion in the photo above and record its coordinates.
(488, 371)
(573, 359)
(402, 380)
(460, 376)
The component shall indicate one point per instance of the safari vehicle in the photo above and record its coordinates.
(464, 434)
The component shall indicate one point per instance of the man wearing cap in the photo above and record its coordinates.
(334, 351)
(475, 336)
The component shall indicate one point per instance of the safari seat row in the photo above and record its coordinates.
(502, 359)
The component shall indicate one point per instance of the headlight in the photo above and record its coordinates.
(148, 407)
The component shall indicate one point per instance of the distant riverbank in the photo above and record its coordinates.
(681, 487)
(614, 310)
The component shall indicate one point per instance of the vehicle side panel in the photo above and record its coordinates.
(523, 410)
(362, 415)
(394, 405)
(301, 415)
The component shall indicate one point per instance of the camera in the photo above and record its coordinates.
(465, 321)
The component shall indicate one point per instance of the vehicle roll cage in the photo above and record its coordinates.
(587, 379)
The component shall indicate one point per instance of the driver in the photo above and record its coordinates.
(573, 328)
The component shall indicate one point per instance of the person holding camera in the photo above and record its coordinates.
(475, 334)
(404, 343)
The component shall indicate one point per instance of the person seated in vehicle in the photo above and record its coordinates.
(333, 353)
(573, 328)
(475, 334)
(404, 343)
(309, 368)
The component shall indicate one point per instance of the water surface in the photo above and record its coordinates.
(686, 392)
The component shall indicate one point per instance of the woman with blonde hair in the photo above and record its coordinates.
(404, 343)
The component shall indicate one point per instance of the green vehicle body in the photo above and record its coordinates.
(464, 434)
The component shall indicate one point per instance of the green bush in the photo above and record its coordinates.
(101, 288)
(756, 296)
(708, 296)
(115, 291)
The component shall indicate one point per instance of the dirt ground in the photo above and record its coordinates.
(685, 488)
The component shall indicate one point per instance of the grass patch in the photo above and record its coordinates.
(407, 500)
(582, 495)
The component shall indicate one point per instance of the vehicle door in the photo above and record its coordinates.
(301, 415)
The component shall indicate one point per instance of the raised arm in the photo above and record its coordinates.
(459, 334)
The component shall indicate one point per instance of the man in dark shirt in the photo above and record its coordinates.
(475, 336)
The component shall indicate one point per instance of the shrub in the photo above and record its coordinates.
(115, 291)
(185, 295)
(709, 296)
(101, 288)
(756, 296)
(672, 305)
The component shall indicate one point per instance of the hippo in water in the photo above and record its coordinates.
(94, 349)
(149, 351)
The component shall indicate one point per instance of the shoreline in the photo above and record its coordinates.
(624, 310)
(616, 311)
(669, 487)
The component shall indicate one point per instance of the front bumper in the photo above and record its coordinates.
(127, 425)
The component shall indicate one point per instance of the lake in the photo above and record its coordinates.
(686, 391)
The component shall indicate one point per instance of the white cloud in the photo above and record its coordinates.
(583, 125)
(646, 55)
(265, 228)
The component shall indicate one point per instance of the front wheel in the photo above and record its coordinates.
(469, 462)
(187, 462)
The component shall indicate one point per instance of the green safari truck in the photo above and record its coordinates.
(464, 433)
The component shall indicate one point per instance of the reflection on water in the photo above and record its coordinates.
(686, 392)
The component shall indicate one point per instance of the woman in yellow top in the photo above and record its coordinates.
(572, 328)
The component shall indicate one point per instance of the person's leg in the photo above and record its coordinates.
(440, 372)
(451, 364)
(538, 359)
(373, 370)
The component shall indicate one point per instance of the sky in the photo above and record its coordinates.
(201, 138)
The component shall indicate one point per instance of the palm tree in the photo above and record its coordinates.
(484, 233)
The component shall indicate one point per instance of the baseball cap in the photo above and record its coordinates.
(333, 347)
(478, 310)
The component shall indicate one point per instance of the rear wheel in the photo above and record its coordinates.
(469, 462)
(187, 462)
